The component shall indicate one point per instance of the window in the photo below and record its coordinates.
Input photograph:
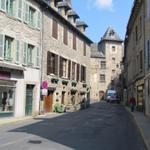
(52, 63)
(10, 7)
(73, 71)
(113, 49)
(83, 74)
(113, 60)
(84, 49)
(74, 42)
(140, 26)
(65, 39)
(102, 77)
(30, 55)
(55, 29)
(63, 67)
(31, 16)
(113, 71)
(8, 48)
(103, 64)
(78, 72)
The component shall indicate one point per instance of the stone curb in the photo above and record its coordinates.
(7, 121)
(139, 128)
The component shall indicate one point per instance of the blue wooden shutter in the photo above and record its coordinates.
(26, 12)
(38, 19)
(2, 41)
(19, 13)
(17, 51)
(25, 53)
(3, 5)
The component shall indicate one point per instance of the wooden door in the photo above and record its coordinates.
(63, 98)
(48, 102)
(29, 100)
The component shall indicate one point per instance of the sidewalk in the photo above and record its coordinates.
(11, 120)
(143, 124)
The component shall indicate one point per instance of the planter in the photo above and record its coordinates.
(84, 85)
(54, 80)
(73, 91)
(64, 82)
(74, 83)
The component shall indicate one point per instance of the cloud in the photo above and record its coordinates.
(104, 4)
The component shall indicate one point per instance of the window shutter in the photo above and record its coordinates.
(3, 5)
(74, 42)
(65, 39)
(55, 29)
(38, 57)
(2, 40)
(25, 53)
(26, 13)
(84, 49)
(48, 63)
(56, 65)
(78, 72)
(69, 69)
(19, 13)
(61, 67)
(17, 50)
(38, 20)
(85, 74)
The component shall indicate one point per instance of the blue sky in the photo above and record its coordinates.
(100, 14)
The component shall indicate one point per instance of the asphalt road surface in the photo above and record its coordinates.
(103, 126)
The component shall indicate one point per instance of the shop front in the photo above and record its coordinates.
(7, 98)
(140, 95)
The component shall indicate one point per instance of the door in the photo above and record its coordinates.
(48, 102)
(29, 100)
(63, 98)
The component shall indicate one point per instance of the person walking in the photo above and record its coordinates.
(133, 103)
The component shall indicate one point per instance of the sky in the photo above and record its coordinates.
(100, 14)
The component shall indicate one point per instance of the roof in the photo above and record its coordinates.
(95, 53)
(111, 35)
(47, 7)
(72, 13)
(81, 23)
(63, 4)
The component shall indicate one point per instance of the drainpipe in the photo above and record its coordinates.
(42, 50)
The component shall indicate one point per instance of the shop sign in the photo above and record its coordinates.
(4, 75)
(140, 88)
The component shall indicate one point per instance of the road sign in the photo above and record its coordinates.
(44, 85)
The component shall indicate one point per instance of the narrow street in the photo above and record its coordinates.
(101, 127)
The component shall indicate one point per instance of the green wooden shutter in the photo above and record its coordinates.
(3, 5)
(2, 39)
(17, 51)
(36, 56)
(25, 53)
(26, 12)
(38, 20)
(19, 13)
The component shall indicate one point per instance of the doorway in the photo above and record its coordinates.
(48, 102)
(63, 98)
(29, 100)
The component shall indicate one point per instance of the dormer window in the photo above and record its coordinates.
(111, 33)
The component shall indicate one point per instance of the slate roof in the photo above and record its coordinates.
(95, 53)
(81, 23)
(111, 35)
(72, 13)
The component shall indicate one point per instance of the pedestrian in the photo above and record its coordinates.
(133, 103)
(4, 101)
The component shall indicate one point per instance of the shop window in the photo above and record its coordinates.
(6, 101)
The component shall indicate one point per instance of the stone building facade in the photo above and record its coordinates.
(66, 55)
(135, 53)
(20, 50)
(107, 58)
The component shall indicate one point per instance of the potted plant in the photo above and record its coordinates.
(64, 82)
(74, 83)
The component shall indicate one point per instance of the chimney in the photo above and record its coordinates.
(81, 25)
(63, 7)
(72, 16)
(69, 2)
